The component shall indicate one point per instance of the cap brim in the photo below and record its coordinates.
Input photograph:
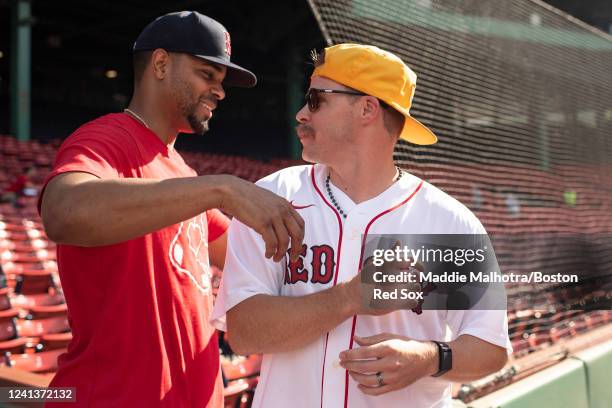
(417, 133)
(236, 75)
(414, 131)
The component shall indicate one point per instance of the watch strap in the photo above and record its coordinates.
(445, 358)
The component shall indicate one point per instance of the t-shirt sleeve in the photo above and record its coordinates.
(488, 325)
(218, 223)
(247, 272)
(95, 151)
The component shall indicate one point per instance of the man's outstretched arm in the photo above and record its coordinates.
(81, 209)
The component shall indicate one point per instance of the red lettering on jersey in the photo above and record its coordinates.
(322, 269)
(295, 272)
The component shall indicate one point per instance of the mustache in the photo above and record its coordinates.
(210, 101)
(301, 128)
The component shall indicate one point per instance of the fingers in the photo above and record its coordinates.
(371, 380)
(375, 390)
(298, 219)
(295, 227)
(368, 383)
(368, 380)
(268, 234)
(367, 366)
(279, 226)
(392, 380)
(367, 352)
(288, 231)
(282, 239)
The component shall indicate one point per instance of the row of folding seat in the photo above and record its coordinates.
(537, 335)
(34, 328)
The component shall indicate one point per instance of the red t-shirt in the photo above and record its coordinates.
(139, 309)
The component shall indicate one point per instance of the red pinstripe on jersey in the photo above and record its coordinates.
(312, 177)
(363, 241)
(339, 219)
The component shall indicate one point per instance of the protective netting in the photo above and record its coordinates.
(519, 95)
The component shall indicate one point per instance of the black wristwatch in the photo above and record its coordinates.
(445, 358)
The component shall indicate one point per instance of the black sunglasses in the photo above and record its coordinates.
(312, 96)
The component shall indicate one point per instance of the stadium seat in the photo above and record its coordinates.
(233, 394)
(40, 362)
(29, 302)
(33, 282)
(39, 327)
(8, 324)
(45, 311)
(5, 300)
(55, 341)
(241, 367)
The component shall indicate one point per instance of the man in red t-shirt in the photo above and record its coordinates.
(137, 229)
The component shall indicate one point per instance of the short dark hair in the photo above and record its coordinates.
(140, 60)
(393, 119)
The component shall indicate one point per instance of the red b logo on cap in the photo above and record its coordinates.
(228, 44)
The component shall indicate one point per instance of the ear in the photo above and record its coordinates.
(370, 109)
(160, 61)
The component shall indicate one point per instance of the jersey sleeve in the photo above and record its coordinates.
(247, 272)
(218, 223)
(488, 320)
(488, 325)
(94, 150)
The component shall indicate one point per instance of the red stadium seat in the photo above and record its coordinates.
(241, 367)
(8, 324)
(41, 362)
(39, 327)
(55, 341)
(45, 311)
(32, 301)
(35, 255)
(233, 393)
(9, 226)
(5, 300)
(32, 282)
(18, 345)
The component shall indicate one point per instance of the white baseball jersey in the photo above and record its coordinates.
(309, 377)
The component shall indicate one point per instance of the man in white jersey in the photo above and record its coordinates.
(321, 346)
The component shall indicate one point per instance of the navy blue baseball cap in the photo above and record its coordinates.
(193, 33)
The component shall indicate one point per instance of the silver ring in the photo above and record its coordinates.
(379, 378)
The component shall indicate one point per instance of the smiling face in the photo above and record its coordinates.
(329, 130)
(196, 86)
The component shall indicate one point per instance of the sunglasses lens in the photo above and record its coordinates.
(311, 99)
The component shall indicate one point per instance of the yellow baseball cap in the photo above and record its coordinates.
(377, 73)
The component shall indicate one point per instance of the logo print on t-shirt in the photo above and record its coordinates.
(189, 252)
